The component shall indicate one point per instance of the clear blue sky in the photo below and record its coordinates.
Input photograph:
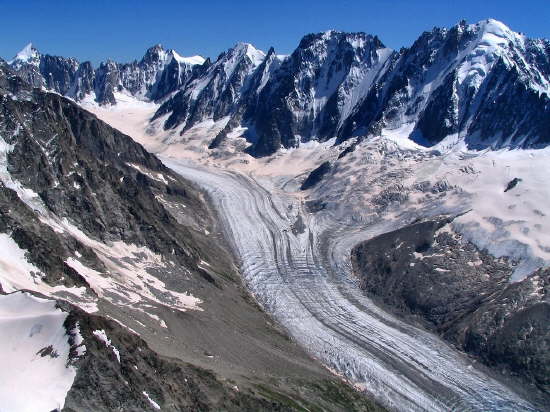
(121, 29)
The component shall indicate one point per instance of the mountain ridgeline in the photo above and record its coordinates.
(159, 73)
(479, 83)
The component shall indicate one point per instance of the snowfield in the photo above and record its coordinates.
(34, 351)
(510, 223)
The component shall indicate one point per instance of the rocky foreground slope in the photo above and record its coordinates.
(131, 299)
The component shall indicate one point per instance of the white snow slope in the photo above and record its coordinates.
(35, 372)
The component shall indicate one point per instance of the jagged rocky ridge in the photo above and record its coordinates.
(159, 73)
(217, 92)
(88, 172)
(481, 83)
(73, 191)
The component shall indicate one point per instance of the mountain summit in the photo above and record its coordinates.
(29, 54)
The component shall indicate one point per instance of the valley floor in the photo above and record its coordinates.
(294, 247)
(302, 276)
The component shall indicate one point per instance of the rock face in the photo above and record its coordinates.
(428, 272)
(313, 89)
(480, 83)
(450, 82)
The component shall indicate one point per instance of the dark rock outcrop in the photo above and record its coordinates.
(512, 183)
(428, 273)
(316, 176)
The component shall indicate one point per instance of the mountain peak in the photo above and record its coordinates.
(493, 24)
(155, 53)
(328, 33)
(27, 55)
(495, 29)
(355, 39)
(255, 55)
(244, 47)
(241, 45)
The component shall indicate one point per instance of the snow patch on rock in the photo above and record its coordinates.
(152, 402)
(102, 336)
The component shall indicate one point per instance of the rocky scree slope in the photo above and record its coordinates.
(92, 220)
(120, 371)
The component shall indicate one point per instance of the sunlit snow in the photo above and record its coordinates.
(34, 354)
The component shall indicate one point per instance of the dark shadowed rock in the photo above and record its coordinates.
(316, 176)
(512, 183)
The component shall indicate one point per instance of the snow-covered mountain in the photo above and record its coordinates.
(282, 100)
(480, 83)
(313, 90)
(159, 73)
(217, 92)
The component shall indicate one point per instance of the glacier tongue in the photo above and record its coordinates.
(304, 280)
